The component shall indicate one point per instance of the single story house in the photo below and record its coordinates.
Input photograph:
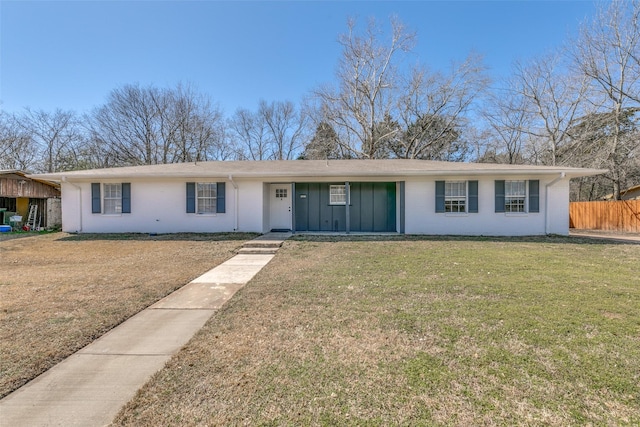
(631, 193)
(345, 196)
(20, 192)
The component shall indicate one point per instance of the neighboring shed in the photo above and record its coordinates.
(631, 193)
(18, 193)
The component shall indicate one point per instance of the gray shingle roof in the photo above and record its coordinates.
(287, 169)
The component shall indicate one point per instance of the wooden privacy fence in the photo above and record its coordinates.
(622, 215)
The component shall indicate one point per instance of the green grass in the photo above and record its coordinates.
(413, 331)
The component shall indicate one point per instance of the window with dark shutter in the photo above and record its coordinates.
(473, 196)
(126, 197)
(499, 190)
(439, 196)
(96, 201)
(220, 198)
(534, 195)
(191, 197)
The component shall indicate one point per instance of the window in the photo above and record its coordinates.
(112, 201)
(111, 198)
(455, 196)
(206, 200)
(337, 195)
(515, 194)
(205, 197)
(281, 193)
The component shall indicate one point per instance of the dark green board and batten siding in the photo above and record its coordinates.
(372, 208)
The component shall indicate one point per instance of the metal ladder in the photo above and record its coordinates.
(32, 218)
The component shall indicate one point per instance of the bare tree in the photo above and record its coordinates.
(531, 116)
(276, 131)
(17, 148)
(607, 52)
(380, 109)
(286, 127)
(508, 121)
(249, 130)
(553, 98)
(57, 134)
(150, 126)
(128, 125)
(192, 127)
(367, 86)
(432, 107)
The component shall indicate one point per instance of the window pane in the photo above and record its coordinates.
(515, 195)
(455, 196)
(515, 188)
(112, 200)
(206, 197)
(337, 195)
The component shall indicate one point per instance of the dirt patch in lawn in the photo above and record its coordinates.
(59, 292)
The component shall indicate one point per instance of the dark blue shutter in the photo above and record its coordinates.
(500, 196)
(95, 198)
(220, 197)
(439, 196)
(126, 197)
(534, 195)
(473, 196)
(191, 197)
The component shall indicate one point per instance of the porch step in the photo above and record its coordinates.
(263, 244)
(267, 244)
(258, 251)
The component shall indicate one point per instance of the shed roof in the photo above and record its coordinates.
(275, 169)
(39, 178)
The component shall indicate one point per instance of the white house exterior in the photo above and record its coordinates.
(400, 196)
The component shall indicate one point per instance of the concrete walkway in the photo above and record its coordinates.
(607, 235)
(89, 387)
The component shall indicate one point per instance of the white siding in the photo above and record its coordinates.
(421, 216)
(71, 206)
(160, 207)
(249, 206)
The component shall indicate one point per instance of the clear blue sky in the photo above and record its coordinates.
(70, 54)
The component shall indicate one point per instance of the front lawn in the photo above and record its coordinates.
(413, 331)
(59, 292)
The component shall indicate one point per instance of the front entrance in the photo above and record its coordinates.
(280, 207)
(371, 207)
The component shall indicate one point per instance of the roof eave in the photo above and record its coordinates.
(568, 172)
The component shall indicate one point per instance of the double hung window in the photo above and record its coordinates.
(338, 194)
(207, 195)
(112, 202)
(515, 195)
(455, 196)
(111, 198)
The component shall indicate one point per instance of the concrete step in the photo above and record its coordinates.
(262, 244)
(258, 251)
